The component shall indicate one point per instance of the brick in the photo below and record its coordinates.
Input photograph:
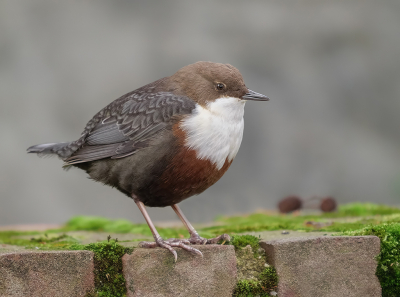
(46, 273)
(152, 272)
(328, 266)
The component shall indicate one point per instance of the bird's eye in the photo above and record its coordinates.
(220, 86)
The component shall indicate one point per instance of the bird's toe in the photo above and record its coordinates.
(224, 238)
(169, 244)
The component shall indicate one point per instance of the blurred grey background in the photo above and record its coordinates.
(331, 69)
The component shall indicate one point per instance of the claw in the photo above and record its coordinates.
(197, 239)
(169, 247)
(183, 243)
(224, 237)
(147, 244)
(171, 240)
(169, 244)
(187, 248)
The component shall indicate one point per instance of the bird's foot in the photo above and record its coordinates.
(169, 244)
(197, 239)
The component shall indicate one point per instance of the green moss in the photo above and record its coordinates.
(269, 278)
(364, 214)
(109, 281)
(11, 237)
(365, 209)
(91, 293)
(241, 241)
(348, 217)
(267, 282)
(388, 270)
(246, 288)
(32, 239)
(88, 223)
(53, 238)
(92, 223)
(255, 276)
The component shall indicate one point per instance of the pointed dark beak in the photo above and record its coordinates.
(251, 95)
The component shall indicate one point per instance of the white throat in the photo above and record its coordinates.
(216, 132)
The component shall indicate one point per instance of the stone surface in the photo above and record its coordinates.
(46, 273)
(86, 237)
(328, 266)
(10, 248)
(282, 234)
(152, 272)
(30, 227)
(132, 240)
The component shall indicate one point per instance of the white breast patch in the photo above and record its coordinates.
(216, 132)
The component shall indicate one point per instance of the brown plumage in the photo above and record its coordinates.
(186, 175)
(165, 141)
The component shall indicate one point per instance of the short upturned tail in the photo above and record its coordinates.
(49, 149)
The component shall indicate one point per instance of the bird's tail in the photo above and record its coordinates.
(49, 148)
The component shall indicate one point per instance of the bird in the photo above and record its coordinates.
(165, 142)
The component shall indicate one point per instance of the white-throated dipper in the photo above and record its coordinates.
(166, 141)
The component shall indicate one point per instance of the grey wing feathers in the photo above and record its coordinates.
(106, 133)
(92, 152)
(47, 148)
(128, 125)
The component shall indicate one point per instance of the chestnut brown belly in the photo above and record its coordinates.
(185, 176)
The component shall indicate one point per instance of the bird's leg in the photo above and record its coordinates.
(159, 242)
(195, 238)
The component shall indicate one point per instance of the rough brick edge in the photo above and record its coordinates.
(152, 272)
(278, 250)
(46, 273)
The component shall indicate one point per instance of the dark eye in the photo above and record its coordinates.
(220, 86)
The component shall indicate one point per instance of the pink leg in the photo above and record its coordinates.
(159, 242)
(194, 236)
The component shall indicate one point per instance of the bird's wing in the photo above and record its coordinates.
(127, 124)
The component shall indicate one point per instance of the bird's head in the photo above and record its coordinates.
(205, 82)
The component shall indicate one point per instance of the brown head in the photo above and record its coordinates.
(205, 82)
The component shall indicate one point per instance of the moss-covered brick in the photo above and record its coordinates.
(350, 219)
(109, 280)
(388, 270)
(255, 276)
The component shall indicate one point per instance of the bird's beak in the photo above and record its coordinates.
(251, 95)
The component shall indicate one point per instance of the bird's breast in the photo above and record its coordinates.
(187, 174)
(215, 132)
